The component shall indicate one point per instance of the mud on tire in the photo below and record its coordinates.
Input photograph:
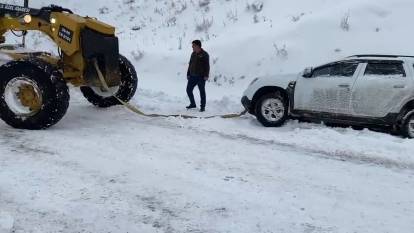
(127, 89)
(43, 87)
(272, 110)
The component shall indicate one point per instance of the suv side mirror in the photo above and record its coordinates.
(307, 73)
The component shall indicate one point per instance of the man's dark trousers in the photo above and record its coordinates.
(201, 83)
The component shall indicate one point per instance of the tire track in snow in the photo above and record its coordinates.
(339, 155)
(344, 156)
(156, 213)
(15, 142)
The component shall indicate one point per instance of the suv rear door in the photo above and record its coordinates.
(381, 87)
(328, 90)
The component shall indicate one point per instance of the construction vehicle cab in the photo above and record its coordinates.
(33, 84)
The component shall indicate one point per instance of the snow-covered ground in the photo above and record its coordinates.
(111, 171)
(108, 170)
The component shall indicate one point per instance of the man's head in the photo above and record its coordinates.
(196, 46)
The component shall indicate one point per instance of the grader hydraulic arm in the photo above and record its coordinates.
(33, 85)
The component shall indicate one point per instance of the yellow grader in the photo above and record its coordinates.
(33, 85)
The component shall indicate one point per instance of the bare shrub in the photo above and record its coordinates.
(345, 22)
(232, 16)
(180, 43)
(136, 28)
(204, 25)
(256, 18)
(103, 10)
(256, 6)
(172, 21)
(297, 17)
(128, 2)
(180, 7)
(221, 80)
(159, 11)
(203, 3)
(137, 54)
(282, 52)
(177, 7)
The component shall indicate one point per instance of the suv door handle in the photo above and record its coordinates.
(399, 86)
(343, 85)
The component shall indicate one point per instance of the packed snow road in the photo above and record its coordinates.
(107, 170)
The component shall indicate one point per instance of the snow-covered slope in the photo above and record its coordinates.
(247, 38)
(108, 170)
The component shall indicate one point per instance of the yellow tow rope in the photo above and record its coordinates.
(139, 112)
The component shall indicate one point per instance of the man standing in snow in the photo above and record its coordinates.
(197, 74)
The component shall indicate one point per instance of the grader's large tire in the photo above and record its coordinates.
(125, 91)
(33, 95)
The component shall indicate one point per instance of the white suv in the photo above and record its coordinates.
(362, 90)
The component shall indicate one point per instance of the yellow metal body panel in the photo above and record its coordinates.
(72, 62)
(99, 26)
(71, 22)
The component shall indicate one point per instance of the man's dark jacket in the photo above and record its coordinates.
(199, 64)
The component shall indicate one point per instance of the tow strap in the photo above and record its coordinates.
(139, 112)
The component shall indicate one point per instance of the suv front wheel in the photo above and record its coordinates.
(272, 110)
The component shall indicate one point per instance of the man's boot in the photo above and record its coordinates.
(191, 106)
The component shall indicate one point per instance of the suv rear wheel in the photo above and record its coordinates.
(408, 126)
(272, 110)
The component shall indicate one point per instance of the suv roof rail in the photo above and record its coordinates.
(381, 55)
